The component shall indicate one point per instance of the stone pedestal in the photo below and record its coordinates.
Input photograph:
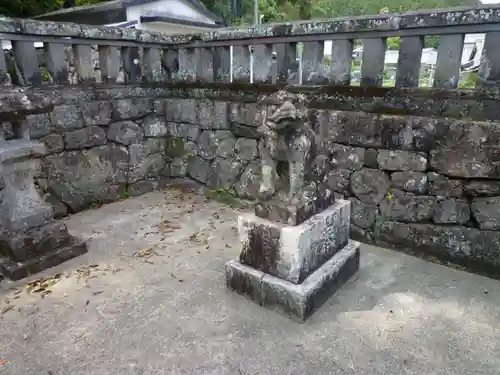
(30, 240)
(294, 268)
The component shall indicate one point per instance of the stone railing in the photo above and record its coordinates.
(274, 53)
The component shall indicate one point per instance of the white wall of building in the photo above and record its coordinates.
(172, 8)
(170, 28)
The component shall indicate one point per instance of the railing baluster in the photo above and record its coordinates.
(4, 74)
(372, 68)
(84, 64)
(312, 62)
(340, 68)
(448, 63)
(222, 64)
(153, 69)
(286, 63)
(109, 62)
(132, 64)
(489, 71)
(171, 63)
(241, 64)
(27, 61)
(57, 65)
(205, 64)
(410, 55)
(187, 64)
(262, 63)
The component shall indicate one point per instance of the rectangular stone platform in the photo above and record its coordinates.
(294, 252)
(298, 301)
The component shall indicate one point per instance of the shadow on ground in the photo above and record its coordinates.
(150, 298)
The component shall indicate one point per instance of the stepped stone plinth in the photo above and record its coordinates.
(296, 251)
(30, 239)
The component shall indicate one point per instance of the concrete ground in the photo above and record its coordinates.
(150, 298)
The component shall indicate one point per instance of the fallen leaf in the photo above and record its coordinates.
(97, 292)
(6, 309)
(3, 362)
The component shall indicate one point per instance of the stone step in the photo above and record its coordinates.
(19, 270)
(298, 301)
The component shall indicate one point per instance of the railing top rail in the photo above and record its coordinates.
(482, 18)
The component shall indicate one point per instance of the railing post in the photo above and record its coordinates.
(222, 64)
(489, 71)
(372, 68)
(4, 74)
(448, 62)
(312, 62)
(153, 69)
(171, 63)
(84, 64)
(110, 62)
(341, 62)
(241, 64)
(286, 62)
(57, 65)
(205, 64)
(410, 55)
(132, 64)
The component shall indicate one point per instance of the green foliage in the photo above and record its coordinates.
(223, 196)
(31, 8)
(469, 81)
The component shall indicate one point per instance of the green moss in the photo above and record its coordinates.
(175, 147)
(124, 194)
(224, 196)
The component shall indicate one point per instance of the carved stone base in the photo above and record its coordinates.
(297, 301)
(297, 212)
(294, 252)
(27, 252)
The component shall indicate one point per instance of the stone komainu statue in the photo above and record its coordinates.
(286, 135)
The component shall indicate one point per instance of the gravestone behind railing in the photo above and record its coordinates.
(282, 53)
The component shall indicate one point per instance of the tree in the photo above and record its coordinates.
(31, 8)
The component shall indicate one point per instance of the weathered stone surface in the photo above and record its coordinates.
(144, 163)
(142, 187)
(347, 157)
(39, 125)
(362, 215)
(37, 249)
(212, 114)
(224, 173)
(226, 147)
(176, 147)
(249, 182)
(181, 110)
(183, 130)
(65, 118)
(486, 211)
(321, 165)
(209, 142)
(176, 168)
(248, 114)
(338, 180)
(413, 182)
(451, 211)
(369, 185)
(297, 301)
(97, 113)
(160, 106)
(442, 186)
(460, 244)
(474, 162)
(371, 158)
(400, 160)
(154, 126)
(244, 131)
(84, 138)
(53, 142)
(246, 149)
(199, 169)
(482, 188)
(402, 206)
(59, 209)
(294, 252)
(129, 109)
(125, 132)
(79, 178)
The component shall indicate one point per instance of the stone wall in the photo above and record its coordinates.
(417, 180)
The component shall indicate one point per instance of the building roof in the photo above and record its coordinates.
(120, 5)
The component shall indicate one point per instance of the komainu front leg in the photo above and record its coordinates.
(267, 149)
